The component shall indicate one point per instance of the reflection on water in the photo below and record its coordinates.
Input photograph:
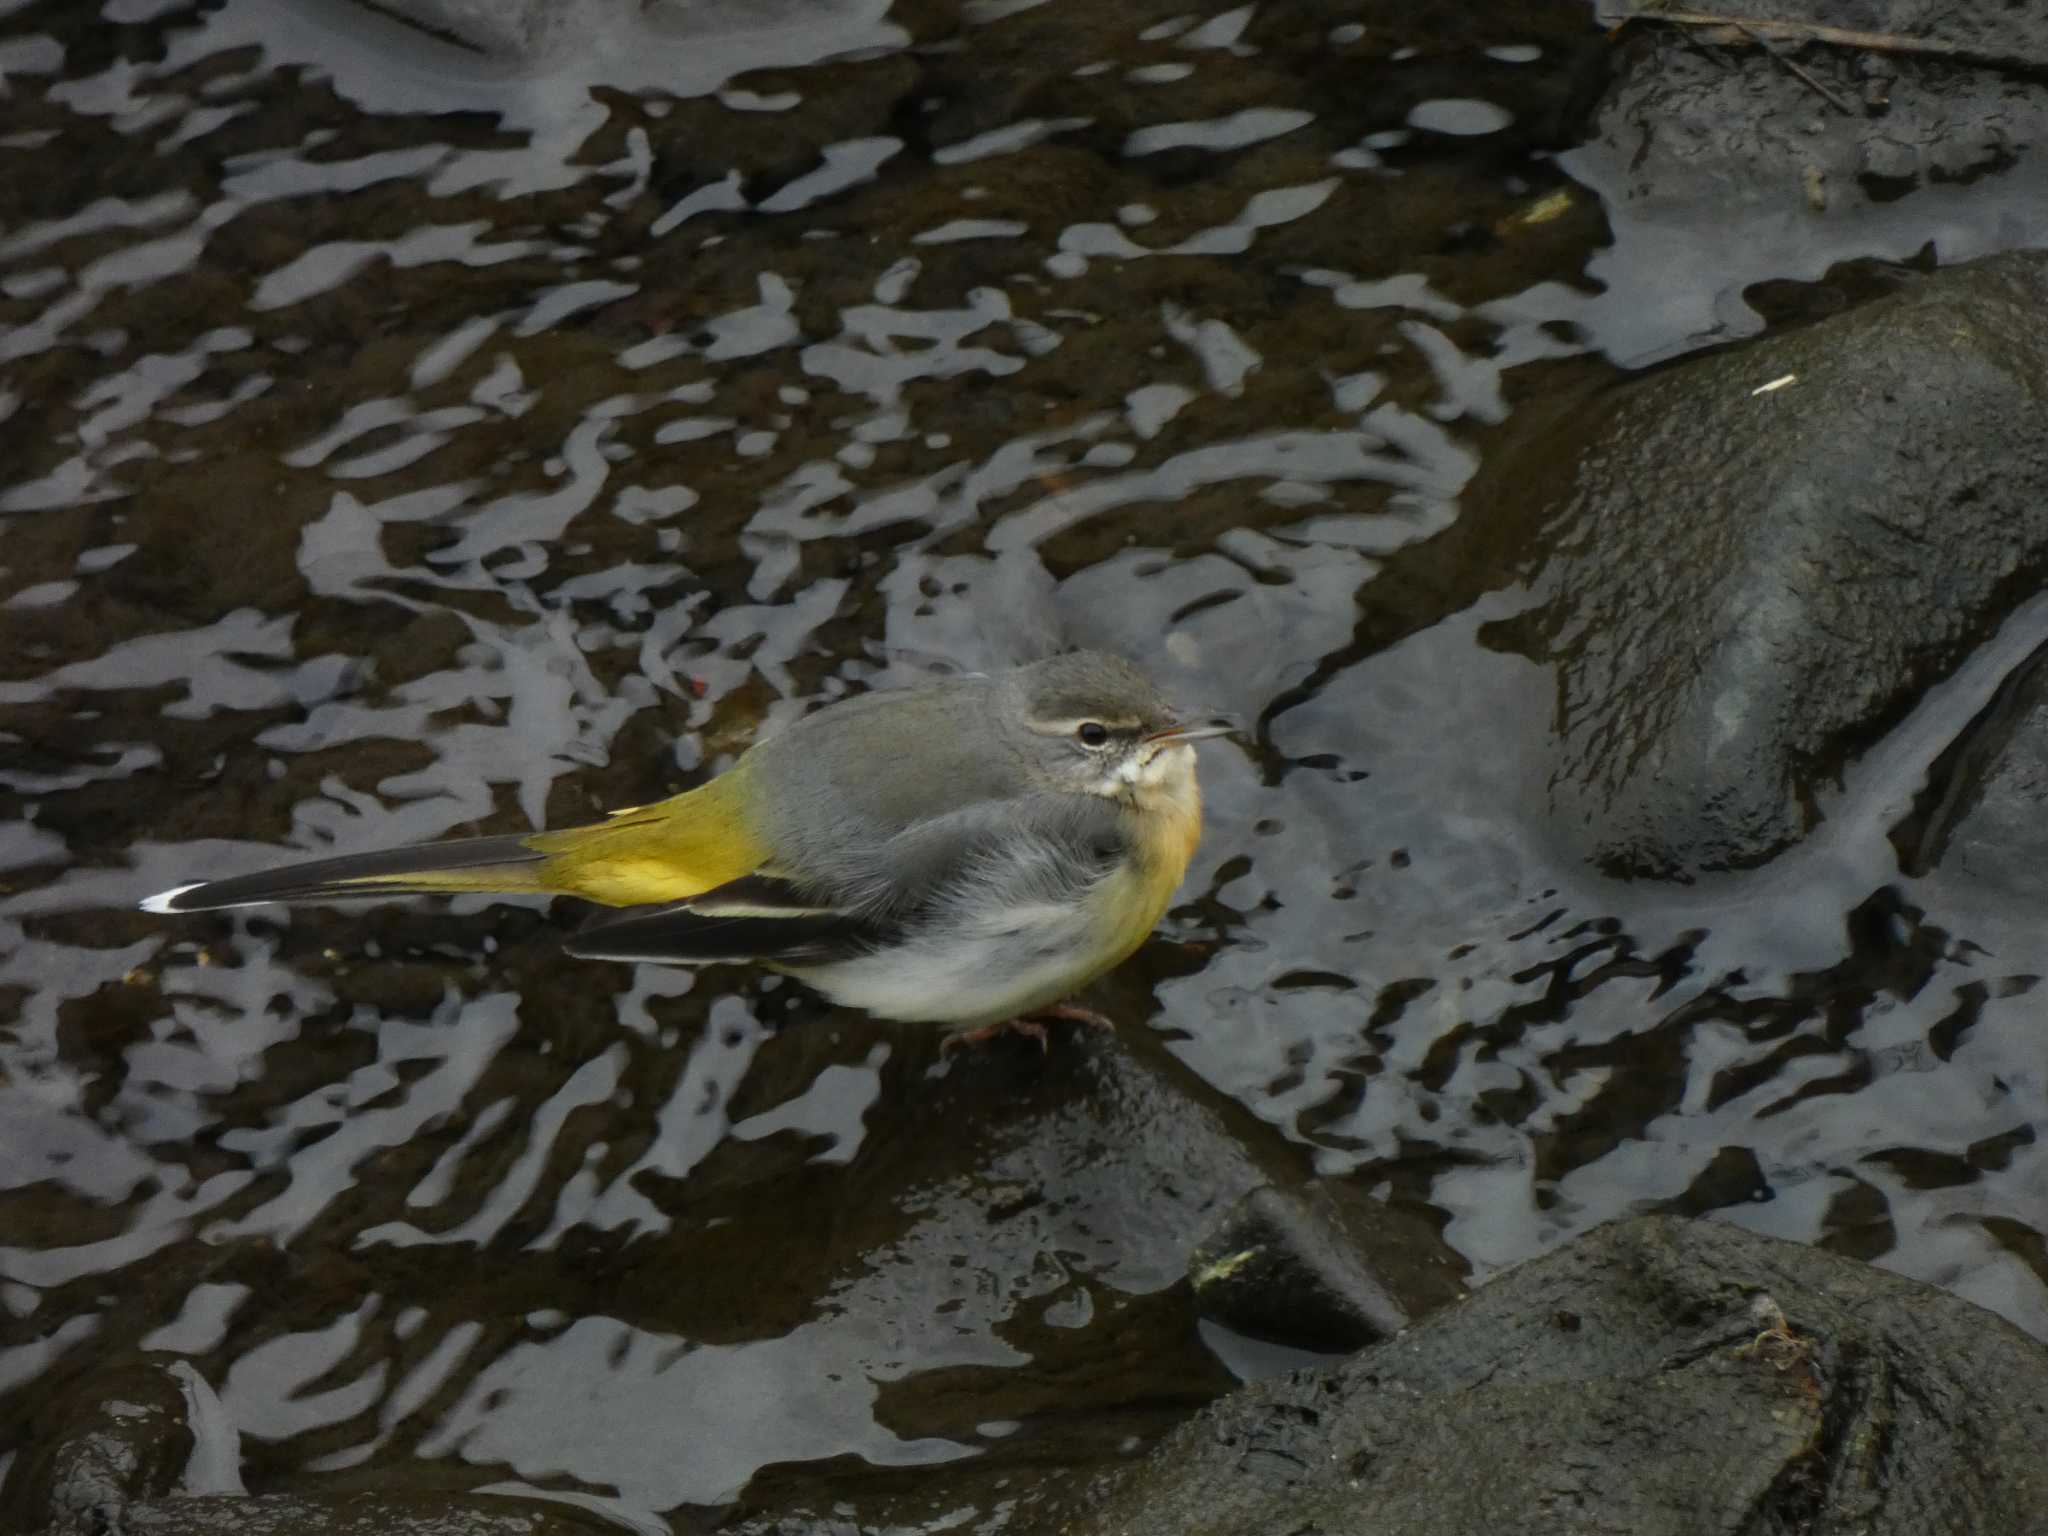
(407, 441)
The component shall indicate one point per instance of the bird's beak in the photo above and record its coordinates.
(1179, 733)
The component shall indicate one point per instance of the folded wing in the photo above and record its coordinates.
(757, 917)
(950, 872)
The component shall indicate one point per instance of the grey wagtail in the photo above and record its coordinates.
(967, 853)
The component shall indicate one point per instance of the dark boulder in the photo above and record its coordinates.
(119, 1433)
(1760, 558)
(1656, 1376)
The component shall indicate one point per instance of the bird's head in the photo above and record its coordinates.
(1091, 723)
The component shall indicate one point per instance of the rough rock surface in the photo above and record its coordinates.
(2007, 34)
(281, 1514)
(1655, 1376)
(1729, 120)
(1722, 165)
(125, 1436)
(1743, 583)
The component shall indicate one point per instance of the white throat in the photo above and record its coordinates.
(1163, 767)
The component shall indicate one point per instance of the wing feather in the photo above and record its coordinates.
(947, 872)
(756, 917)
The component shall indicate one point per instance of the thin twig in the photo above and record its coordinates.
(1839, 104)
(1806, 31)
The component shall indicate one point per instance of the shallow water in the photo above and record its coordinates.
(402, 444)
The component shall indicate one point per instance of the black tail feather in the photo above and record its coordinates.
(332, 879)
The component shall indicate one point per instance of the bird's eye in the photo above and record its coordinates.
(1091, 733)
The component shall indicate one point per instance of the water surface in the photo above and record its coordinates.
(405, 442)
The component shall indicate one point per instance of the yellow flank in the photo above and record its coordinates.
(675, 848)
(667, 851)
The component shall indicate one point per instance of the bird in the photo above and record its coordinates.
(968, 852)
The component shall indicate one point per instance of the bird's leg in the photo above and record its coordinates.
(1074, 1013)
(1031, 1026)
(1030, 1029)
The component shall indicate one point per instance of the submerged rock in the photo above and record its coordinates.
(1763, 556)
(1655, 1376)
(503, 28)
(546, 31)
(1325, 1268)
(363, 1514)
(1984, 814)
(125, 1449)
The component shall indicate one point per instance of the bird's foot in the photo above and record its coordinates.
(1030, 1026)
(1074, 1013)
(1030, 1029)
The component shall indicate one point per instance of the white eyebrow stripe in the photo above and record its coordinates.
(1068, 727)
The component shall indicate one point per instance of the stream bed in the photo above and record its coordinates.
(404, 439)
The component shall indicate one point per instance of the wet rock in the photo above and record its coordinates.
(1998, 840)
(118, 1434)
(1984, 816)
(130, 1448)
(1322, 1268)
(354, 1515)
(1736, 120)
(1040, 1192)
(1763, 556)
(508, 28)
(530, 30)
(1721, 165)
(2006, 35)
(1654, 1376)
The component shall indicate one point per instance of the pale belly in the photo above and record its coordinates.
(1007, 960)
(1022, 960)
